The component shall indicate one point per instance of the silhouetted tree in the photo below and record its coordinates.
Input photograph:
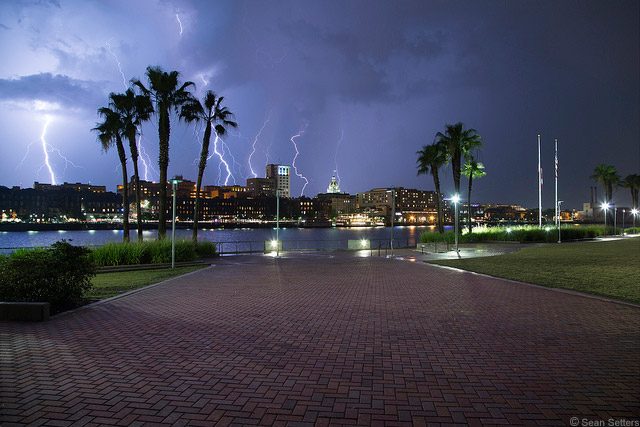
(215, 117)
(167, 95)
(430, 159)
(472, 170)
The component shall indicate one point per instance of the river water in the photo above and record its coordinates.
(293, 238)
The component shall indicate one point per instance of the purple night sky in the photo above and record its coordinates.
(368, 83)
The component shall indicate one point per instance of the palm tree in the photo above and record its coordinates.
(165, 91)
(133, 110)
(632, 182)
(214, 115)
(110, 133)
(472, 169)
(459, 144)
(608, 177)
(430, 159)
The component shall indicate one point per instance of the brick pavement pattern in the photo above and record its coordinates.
(323, 339)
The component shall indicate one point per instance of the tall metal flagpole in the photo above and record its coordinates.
(556, 161)
(539, 187)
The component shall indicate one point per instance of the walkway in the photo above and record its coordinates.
(326, 338)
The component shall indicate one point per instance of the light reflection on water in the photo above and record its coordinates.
(408, 234)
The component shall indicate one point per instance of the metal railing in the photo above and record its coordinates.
(252, 246)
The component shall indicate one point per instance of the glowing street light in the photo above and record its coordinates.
(605, 206)
(456, 199)
(174, 183)
(634, 212)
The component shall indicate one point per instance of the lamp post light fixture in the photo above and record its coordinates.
(456, 199)
(605, 206)
(393, 214)
(174, 186)
(615, 231)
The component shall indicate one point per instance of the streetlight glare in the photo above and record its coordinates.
(606, 206)
(455, 199)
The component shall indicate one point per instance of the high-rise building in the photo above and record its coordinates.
(281, 175)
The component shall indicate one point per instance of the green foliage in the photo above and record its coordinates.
(525, 234)
(150, 252)
(632, 230)
(60, 275)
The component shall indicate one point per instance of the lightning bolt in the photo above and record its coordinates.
(236, 166)
(44, 149)
(124, 79)
(222, 161)
(141, 155)
(26, 154)
(67, 162)
(295, 169)
(336, 155)
(255, 141)
(179, 23)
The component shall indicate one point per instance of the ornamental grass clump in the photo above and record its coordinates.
(150, 252)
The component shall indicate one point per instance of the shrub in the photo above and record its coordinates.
(59, 275)
(632, 230)
(525, 234)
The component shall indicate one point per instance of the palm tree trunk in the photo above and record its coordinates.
(469, 202)
(203, 164)
(455, 166)
(163, 163)
(436, 182)
(125, 192)
(138, 206)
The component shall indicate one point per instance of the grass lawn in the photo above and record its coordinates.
(610, 269)
(106, 285)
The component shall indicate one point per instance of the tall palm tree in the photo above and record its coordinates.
(110, 133)
(632, 182)
(215, 116)
(133, 110)
(608, 177)
(430, 159)
(472, 169)
(460, 143)
(167, 95)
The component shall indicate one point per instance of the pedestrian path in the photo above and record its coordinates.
(326, 338)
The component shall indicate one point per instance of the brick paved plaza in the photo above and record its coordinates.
(323, 339)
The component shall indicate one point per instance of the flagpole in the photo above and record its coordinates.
(539, 187)
(556, 161)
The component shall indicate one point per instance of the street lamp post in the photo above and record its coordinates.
(615, 216)
(455, 199)
(174, 183)
(605, 206)
(624, 211)
(277, 223)
(393, 215)
(634, 212)
(559, 222)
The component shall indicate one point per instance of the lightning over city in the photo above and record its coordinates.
(253, 145)
(179, 23)
(222, 162)
(44, 149)
(335, 158)
(295, 169)
(124, 79)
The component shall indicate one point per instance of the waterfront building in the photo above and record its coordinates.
(281, 175)
(78, 186)
(261, 187)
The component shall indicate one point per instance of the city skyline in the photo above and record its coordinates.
(321, 87)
